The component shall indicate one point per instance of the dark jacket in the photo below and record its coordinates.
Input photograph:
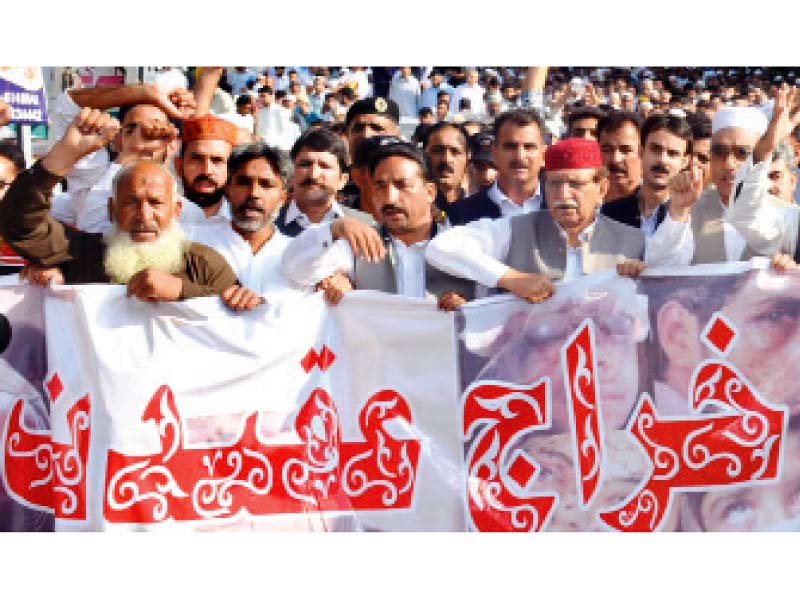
(625, 210)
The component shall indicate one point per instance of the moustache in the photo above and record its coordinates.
(515, 164)
(617, 169)
(444, 168)
(309, 181)
(660, 169)
(205, 178)
(250, 204)
(390, 208)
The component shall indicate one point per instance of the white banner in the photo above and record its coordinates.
(185, 415)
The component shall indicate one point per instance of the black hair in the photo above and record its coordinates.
(265, 89)
(244, 153)
(404, 150)
(614, 119)
(425, 111)
(322, 140)
(585, 112)
(700, 124)
(677, 126)
(11, 152)
(519, 117)
(444, 125)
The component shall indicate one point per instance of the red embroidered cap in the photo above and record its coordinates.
(573, 153)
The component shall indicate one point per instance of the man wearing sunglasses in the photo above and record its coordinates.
(701, 226)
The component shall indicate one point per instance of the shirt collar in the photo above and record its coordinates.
(584, 236)
(499, 197)
(293, 213)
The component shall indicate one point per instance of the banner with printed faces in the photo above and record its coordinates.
(666, 403)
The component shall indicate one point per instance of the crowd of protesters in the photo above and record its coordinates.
(655, 150)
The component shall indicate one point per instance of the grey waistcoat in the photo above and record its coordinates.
(381, 275)
(537, 246)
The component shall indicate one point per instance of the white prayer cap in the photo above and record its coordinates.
(746, 117)
(677, 112)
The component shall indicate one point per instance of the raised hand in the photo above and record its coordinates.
(363, 239)
(532, 287)
(785, 117)
(91, 130)
(684, 190)
(178, 103)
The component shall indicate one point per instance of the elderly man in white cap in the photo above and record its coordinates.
(769, 226)
(699, 227)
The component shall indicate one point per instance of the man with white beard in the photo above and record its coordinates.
(146, 249)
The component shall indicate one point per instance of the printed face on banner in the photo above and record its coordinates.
(763, 308)
(712, 430)
(770, 507)
(528, 346)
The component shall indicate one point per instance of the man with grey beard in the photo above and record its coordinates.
(145, 250)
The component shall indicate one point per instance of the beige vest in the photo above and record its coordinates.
(707, 228)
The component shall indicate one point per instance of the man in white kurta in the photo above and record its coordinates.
(699, 226)
(250, 242)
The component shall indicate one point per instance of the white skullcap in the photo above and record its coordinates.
(676, 112)
(746, 117)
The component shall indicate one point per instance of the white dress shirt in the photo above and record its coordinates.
(509, 208)
(672, 244)
(476, 251)
(293, 213)
(260, 271)
(314, 255)
(474, 93)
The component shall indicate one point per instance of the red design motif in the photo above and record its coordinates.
(720, 334)
(322, 473)
(54, 387)
(323, 360)
(715, 450)
(41, 473)
(580, 380)
(9, 258)
(496, 415)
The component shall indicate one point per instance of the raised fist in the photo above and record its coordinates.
(684, 190)
(91, 130)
